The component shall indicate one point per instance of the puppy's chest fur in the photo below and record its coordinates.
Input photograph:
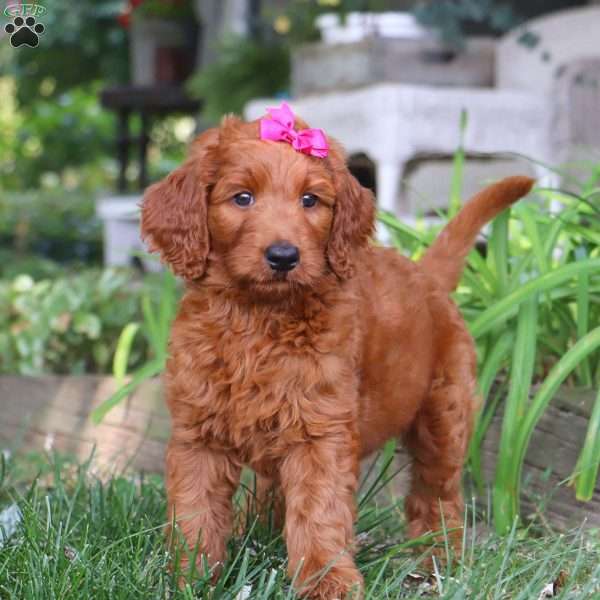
(255, 379)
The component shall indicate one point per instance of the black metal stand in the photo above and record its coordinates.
(149, 103)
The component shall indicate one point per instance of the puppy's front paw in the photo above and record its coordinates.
(337, 584)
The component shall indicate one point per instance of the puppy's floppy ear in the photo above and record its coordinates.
(174, 210)
(353, 216)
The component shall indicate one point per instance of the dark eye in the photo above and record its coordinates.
(309, 200)
(244, 199)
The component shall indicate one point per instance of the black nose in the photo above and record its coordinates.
(282, 256)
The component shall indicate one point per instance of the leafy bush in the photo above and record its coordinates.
(51, 121)
(526, 245)
(68, 324)
(13, 264)
(83, 43)
(67, 138)
(533, 307)
(56, 225)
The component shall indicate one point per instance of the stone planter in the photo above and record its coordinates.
(320, 68)
(162, 51)
(123, 247)
(358, 26)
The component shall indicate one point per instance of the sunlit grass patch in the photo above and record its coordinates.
(85, 537)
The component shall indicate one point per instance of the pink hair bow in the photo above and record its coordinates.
(280, 128)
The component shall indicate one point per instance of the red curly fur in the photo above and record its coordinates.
(300, 376)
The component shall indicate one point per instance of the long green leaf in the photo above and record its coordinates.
(583, 348)
(151, 324)
(587, 233)
(506, 491)
(508, 306)
(583, 316)
(166, 310)
(485, 420)
(500, 350)
(149, 370)
(555, 231)
(393, 223)
(518, 270)
(498, 251)
(491, 367)
(588, 464)
(533, 234)
(478, 288)
(479, 266)
(123, 351)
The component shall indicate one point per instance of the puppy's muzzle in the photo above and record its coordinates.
(282, 256)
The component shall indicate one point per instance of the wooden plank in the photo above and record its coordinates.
(550, 460)
(551, 457)
(54, 412)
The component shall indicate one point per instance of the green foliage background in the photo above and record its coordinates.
(50, 118)
(83, 43)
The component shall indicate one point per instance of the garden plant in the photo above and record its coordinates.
(531, 304)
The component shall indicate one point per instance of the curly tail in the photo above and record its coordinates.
(444, 259)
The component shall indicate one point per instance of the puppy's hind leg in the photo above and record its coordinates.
(438, 440)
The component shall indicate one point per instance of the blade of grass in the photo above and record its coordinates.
(387, 456)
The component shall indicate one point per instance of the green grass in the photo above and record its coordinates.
(85, 536)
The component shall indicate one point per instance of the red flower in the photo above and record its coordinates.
(135, 3)
(124, 19)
